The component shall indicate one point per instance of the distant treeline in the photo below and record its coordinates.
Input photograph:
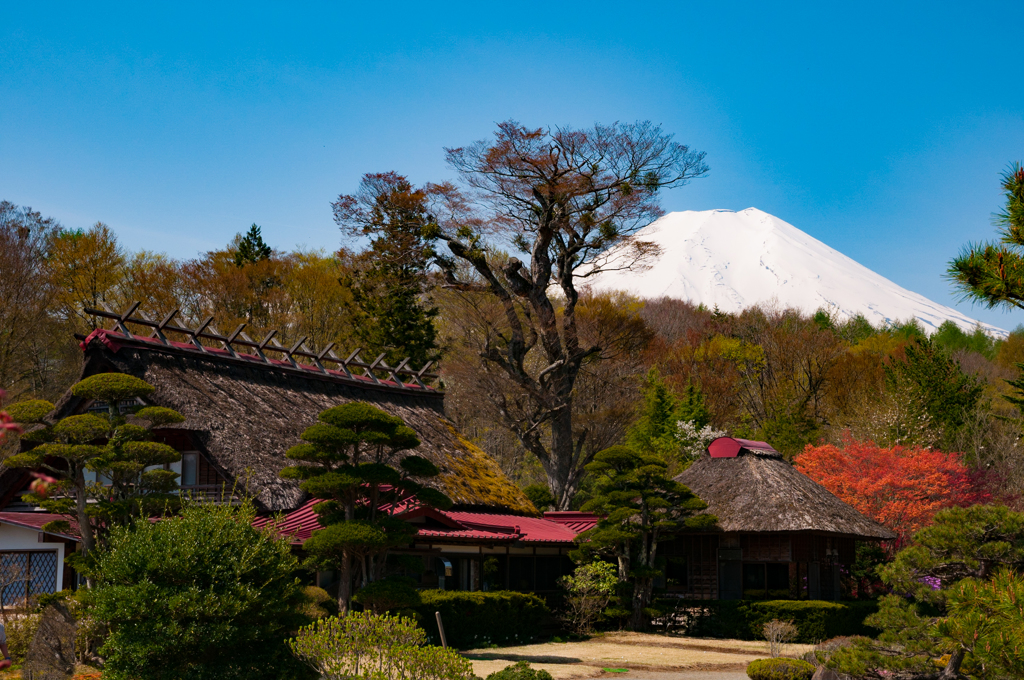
(772, 374)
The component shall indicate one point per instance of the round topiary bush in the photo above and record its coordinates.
(30, 411)
(111, 387)
(780, 669)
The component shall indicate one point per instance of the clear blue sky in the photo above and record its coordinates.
(879, 128)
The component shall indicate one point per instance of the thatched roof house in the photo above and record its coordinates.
(243, 411)
(779, 534)
(756, 490)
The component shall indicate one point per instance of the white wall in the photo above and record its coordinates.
(19, 538)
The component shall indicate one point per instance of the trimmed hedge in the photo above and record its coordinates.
(815, 620)
(482, 618)
(780, 669)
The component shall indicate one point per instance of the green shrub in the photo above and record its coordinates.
(20, 632)
(478, 619)
(396, 592)
(196, 597)
(318, 604)
(375, 647)
(780, 669)
(815, 620)
(520, 671)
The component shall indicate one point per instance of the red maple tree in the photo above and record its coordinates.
(900, 487)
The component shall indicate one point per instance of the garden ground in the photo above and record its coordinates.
(646, 656)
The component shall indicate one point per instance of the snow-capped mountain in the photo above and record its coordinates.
(733, 260)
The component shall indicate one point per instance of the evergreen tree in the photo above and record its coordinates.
(993, 273)
(252, 248)
(936, 388)
(388, 287)
(964, 545)
(640, 506)
(656, 429)
(345, 459)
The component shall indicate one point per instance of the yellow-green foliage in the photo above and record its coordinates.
(31, 411)
(111, 387)
(474, 475)
(20, 632)
(319, 603)
(780, 669)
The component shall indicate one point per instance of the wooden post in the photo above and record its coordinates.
(440, 629)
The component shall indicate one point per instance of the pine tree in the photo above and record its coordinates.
(391, 315)
(640, 505)
(252, 248)
(656, 429)
(918, 638)
(345, 459)
(993, 273)
(70, 447)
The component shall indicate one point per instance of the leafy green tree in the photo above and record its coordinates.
(345, 459)
(588, 591)
(971, 544)
(202, 595)
(122, 454)
(640, 505)
(252, 248)
(993, 273)
(951, 338)
(389, 285)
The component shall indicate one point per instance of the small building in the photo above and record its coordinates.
(780, 534)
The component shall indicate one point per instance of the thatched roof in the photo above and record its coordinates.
(755, 489)
(247, 412)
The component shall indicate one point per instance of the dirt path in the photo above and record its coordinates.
(642, 655)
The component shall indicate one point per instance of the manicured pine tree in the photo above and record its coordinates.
(345, 459)
(640, 506)
(107, 444)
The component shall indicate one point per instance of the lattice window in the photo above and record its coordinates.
(27, 573)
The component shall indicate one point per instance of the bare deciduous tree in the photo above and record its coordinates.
(562, 197)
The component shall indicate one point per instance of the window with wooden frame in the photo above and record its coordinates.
(24, 573)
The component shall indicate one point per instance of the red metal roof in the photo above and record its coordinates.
(730, 447)
(300, 523)
(36, 520)
(577, 521)
(115, 340)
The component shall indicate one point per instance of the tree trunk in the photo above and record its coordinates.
(84, 525)
(559, 465)
(952, 669)
(345, 587)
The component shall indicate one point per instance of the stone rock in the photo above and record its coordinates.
(826, 674)
(51, 654)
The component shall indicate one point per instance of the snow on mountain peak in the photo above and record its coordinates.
(734, 260)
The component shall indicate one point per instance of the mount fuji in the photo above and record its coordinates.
(733, 260)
